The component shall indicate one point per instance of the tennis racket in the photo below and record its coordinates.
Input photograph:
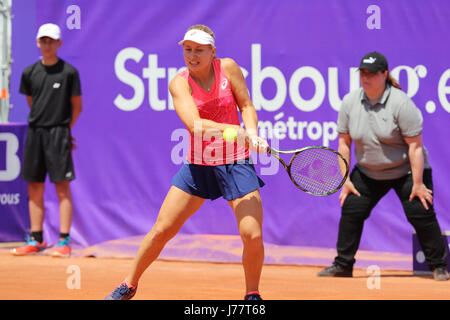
(316, 170)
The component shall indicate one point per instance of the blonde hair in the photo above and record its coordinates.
(203, 28)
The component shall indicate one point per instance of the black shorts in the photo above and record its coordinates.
(48, 150)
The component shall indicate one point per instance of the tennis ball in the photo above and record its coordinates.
(229, 134)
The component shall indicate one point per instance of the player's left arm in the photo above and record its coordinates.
(415, 153)
(239, 88)
(245, 105)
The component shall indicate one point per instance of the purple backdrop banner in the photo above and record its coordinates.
(14, 218)
(299, 59)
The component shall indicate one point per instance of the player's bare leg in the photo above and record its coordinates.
(177, 207)
(249, 215)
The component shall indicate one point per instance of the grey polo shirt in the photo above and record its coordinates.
(378, 131)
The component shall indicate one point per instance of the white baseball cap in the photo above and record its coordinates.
(198, 36)
(49, 30)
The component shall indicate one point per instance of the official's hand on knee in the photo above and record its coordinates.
(347, 189)
(423, 193)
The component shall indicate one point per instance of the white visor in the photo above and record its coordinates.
(198, 36)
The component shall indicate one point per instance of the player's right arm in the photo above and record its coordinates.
(187, 110)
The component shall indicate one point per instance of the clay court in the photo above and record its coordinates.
(24, 278)
(142, 111)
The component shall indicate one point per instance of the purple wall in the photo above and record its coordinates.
(298, 58)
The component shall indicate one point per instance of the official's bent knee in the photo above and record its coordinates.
(356, 208)
(415, 211)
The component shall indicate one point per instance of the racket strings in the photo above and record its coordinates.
(317, 170)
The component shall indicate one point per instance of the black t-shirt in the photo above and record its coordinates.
(51, 88)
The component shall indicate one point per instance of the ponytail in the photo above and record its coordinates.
(390, 80)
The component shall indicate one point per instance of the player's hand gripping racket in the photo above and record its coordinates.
(316, 170)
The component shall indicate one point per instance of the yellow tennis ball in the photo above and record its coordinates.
(229, 134)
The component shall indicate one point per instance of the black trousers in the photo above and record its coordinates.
(356, 210)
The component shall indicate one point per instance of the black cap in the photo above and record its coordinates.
(374, 62)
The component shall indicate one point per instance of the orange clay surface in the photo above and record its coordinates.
(45, 278)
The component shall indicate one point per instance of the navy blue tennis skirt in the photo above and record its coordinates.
(230, 181)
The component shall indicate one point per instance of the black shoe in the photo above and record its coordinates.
(252, 296)
(440, 274)
(335, 271)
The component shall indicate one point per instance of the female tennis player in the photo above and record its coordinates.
(205, 97)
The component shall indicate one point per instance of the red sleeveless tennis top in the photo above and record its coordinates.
(218, 105)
